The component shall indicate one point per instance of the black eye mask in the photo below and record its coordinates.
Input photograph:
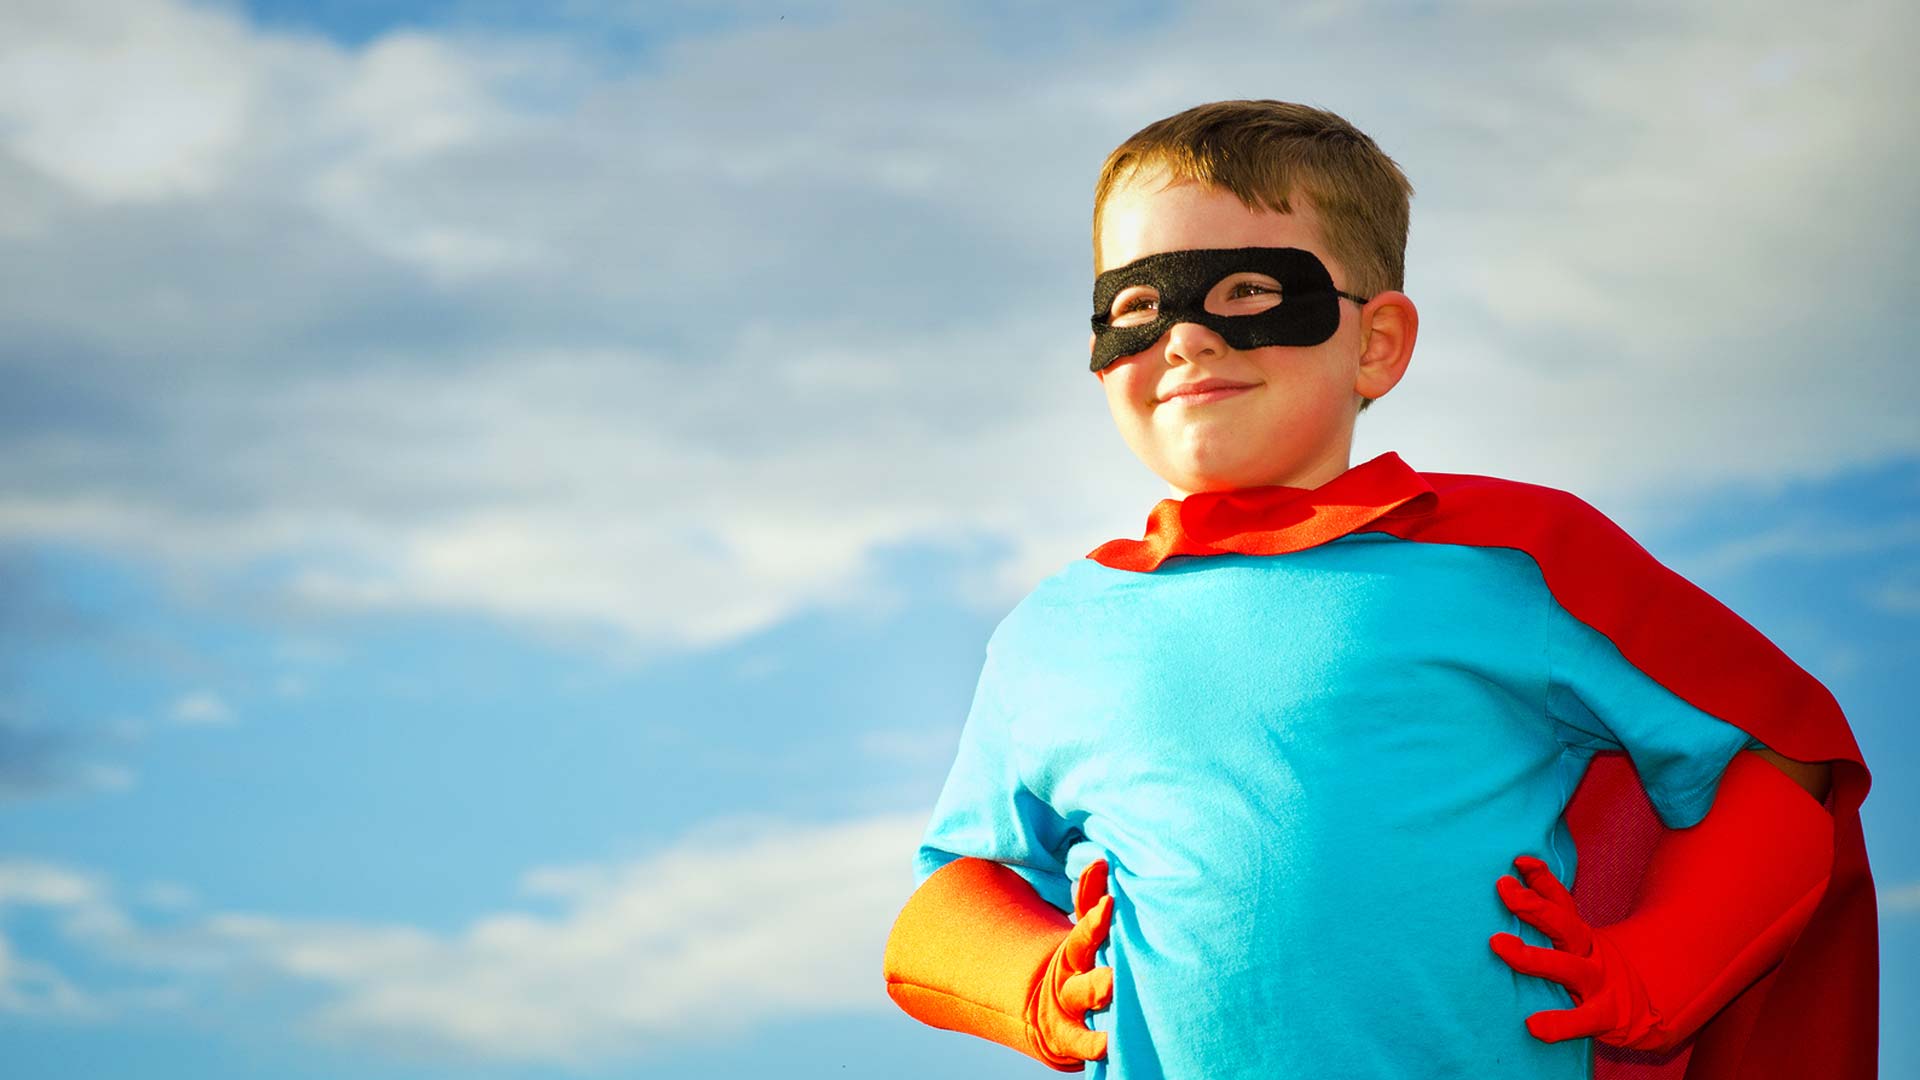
(1308, 314)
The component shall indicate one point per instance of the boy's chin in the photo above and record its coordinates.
(1195, 482)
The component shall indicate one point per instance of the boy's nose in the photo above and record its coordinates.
(1189, 341)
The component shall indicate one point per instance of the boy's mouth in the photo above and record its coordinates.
(1205, 390)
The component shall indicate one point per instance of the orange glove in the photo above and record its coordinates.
(977, 950)
(1720, 905)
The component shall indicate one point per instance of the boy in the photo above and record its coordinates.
(1286, 742)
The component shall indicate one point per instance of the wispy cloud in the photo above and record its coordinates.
(202, 708)
(739, 923)
(37, 884)
(1902, 899)
(28, 986)
(1807, 539)
(914, 747)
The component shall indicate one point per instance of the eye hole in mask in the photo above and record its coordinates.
(1252, 297)
(1237, 294)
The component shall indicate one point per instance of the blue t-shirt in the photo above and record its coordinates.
(1306, 772)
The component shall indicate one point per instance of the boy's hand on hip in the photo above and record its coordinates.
(1719, 906)
(1072, 984)
(976, 949)
(1610, 1001)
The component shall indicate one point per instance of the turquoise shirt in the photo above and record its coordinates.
(1306, 772)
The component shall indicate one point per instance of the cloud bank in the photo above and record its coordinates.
(738, 923)
(674, 346)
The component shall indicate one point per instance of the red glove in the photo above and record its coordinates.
(1720, 904)
(977, 950)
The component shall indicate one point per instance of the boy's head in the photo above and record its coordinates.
(1251, 174)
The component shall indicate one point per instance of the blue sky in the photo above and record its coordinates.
(500, 513)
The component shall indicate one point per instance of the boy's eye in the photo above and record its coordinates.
(1246, 294)
(1134, 308)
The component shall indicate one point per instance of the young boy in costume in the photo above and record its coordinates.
(1276, 755)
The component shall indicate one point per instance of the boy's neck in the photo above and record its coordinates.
(1312, 477)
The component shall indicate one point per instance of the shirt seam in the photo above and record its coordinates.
(1561, 859)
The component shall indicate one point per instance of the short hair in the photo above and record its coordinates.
(1265, 152)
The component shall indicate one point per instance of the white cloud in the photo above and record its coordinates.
(202, 708)
(107, 776)
(740, 923)
(26, 883)
(28, 986)
(695, 943)
(912, 747)
(37, 989)
(129, 99)
(167, 896)
(587, 513)
(1902, 899)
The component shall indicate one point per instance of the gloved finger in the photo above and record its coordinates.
(1562, 925)
(1080, 1042)
(1541, 880)
(1579, 975)
(1087, 935)
(1559, 1025)
(1087, 990)
(1092, 886)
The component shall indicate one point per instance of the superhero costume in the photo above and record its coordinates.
(1482, 641)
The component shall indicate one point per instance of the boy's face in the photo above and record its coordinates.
(1289, 419)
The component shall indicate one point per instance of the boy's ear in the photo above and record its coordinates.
(1389, 325)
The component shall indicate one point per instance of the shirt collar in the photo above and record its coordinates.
(1272, 520)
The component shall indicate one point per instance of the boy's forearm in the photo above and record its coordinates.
(966, 946)
(977, 950)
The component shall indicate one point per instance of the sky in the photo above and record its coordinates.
(502, 506)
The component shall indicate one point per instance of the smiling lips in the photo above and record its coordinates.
(1199, 393)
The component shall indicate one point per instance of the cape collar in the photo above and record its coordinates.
(1272, 520)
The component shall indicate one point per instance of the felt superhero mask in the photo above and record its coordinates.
(1308, 311)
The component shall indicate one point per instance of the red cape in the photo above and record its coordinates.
(1817, 1012)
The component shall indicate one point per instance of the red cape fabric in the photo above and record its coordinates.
(1817, 1012)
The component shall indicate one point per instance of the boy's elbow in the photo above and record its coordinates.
(1815, 777)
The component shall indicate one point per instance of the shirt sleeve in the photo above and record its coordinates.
(1598, 700)
(986, 811)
